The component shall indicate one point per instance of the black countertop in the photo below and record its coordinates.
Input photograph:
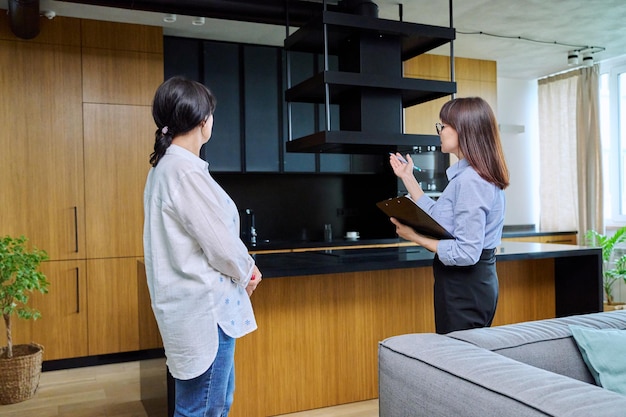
(274, 245)
(332, 261)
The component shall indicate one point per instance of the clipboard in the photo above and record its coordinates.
(409, 213)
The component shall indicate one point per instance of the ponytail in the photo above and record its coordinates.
(162, 140)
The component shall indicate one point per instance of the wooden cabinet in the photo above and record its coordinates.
(560, 238)
(119, 83)
(62, 328)
(41, 163)
(116, 166)
(77, 135)
(113, 312)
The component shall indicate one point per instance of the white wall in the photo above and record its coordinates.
(517, 115)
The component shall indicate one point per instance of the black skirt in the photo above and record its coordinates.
(465, 296)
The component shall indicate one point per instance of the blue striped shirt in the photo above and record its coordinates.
(472, 210)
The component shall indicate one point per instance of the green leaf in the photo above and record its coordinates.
(19, 276)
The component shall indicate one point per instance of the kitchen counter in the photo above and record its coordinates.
(322, 313)
(298, 245)
(355, 259)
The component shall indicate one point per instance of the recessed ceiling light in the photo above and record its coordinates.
(169, 18)
(198, 21)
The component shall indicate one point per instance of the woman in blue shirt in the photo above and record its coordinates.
(471, 208)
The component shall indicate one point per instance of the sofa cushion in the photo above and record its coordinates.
(546, 344)
(604, 352)
(435, 376)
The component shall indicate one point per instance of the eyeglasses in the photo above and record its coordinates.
(439, 128)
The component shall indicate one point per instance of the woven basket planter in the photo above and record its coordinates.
(20, 374)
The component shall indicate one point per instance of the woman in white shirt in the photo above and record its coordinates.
(200, 275)
(471, 208)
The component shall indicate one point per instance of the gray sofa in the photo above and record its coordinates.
(525, 369)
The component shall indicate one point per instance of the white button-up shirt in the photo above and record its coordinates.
(196, 265)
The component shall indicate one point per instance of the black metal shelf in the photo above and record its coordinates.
(413, 90)
(352, 142)
(416, 38)
(369, 85)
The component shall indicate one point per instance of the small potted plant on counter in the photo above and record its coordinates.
(614, 264)
(20, 365)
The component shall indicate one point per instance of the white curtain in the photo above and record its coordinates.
(570, 153)
(590, 189)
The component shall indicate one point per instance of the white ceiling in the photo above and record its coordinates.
(550, 23)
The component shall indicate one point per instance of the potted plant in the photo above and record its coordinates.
(20, 365)
(614, 267)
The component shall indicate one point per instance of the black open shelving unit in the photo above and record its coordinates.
(369, 86)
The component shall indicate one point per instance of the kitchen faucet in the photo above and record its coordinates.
(250, 227)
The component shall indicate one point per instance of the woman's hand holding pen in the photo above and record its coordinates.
(403, 168)
(254, 281)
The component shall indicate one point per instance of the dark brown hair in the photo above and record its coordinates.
(179, 105)
(479, 139)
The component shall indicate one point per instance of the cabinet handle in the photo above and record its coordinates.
(77, 290)
(76, 228)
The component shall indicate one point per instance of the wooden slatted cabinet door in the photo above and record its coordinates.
(62, 328)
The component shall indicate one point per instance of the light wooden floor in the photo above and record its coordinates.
(114, 391)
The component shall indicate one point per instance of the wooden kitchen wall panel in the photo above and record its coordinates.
(437, 67)
(59, 31)
(429, 67)
(421, 118)
(118, 143)
(473, 77)
(485, 89)
(112, 309)
(475, 69)
(122, 36)
(62, 328)
(41, 162)
(120, 77)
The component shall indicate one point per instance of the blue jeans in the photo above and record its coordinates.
(210, 394)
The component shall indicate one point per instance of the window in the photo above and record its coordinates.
(613, 133)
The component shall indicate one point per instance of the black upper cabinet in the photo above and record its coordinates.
(250, 130)
(262, 104)
(221, 75)
(182, 57)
